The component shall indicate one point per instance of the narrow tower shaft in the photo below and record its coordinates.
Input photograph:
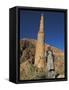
(40, 47)
(41, 30)
(41, 24)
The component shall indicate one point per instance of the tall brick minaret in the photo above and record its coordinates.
(40, 46)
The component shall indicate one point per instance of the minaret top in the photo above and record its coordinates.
(41, 23)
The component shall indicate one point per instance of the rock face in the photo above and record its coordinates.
(27, 59)
(50, 63)
(27, 51)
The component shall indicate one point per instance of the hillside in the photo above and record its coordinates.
(27, 56)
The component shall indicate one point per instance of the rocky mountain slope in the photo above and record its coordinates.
(27, 57)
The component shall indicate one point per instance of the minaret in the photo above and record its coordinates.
(40, 46)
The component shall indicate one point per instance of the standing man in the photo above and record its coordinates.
(50, 63)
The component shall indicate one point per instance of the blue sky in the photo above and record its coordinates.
(53, 26)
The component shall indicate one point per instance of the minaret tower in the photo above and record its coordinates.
(40, 46)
